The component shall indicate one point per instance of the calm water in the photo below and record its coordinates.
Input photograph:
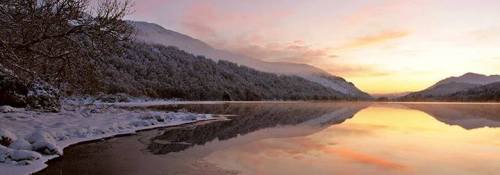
(305, 138)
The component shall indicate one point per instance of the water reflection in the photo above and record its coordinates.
(468, 116)
(249, 118)
(305, 138)
(382, 139)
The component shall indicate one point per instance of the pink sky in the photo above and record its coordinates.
(383, 46)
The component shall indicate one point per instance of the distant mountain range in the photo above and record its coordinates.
(155, 34)
(468, 87)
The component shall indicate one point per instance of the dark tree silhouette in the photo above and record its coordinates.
(60, 41)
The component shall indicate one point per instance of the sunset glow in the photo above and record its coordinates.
(383, 46)
(386, 139)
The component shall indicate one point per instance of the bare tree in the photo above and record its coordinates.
(61, 41)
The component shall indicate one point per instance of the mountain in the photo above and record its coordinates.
(471, 78)
(155, 34)
(448, 87)
(489, 92)
(166, 72)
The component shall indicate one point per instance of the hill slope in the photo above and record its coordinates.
(154, 34)
(445, 89)
(166, 72)
(471, 78)
(489, 92)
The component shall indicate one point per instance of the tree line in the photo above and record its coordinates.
(167, 72)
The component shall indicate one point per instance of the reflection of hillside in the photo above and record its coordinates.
(468, 116)
(312, 117)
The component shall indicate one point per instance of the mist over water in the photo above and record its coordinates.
(304, 138)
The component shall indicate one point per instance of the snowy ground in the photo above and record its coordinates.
(34, 138)
(140, 103)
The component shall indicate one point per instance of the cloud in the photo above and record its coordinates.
(373, 39)
(487, 36)
(356, 70)
(385, 9)
(212, 22)
(296, 51)
(197, 17)
(300, 52)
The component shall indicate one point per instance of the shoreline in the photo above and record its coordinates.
(84, 124)
(199, 122)
(41, 164)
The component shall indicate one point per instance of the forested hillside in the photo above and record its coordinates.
(489, 92)
(167, 72)
(468, 87)
(152, 33)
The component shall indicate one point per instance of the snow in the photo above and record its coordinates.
(36, 137)
(174, 102)
(21, 144)
(20, 155)
(165, 102)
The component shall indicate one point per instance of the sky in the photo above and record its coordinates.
(382, 46)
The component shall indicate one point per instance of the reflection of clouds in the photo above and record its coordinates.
(364, 158)
(300, 149)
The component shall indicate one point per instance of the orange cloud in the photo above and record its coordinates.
(373, 39)
(351, 70)
(296, 51)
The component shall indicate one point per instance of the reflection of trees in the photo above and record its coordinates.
(468, 116)
(250, 118)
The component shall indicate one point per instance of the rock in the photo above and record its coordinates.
(7, 109)
(44, 143)
(6, 137)
(4, 153)
(115, 98)
(47, 148)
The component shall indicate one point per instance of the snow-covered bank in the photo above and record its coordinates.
(32, 138)
(175, 102)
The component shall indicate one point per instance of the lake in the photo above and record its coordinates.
(303, 138)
